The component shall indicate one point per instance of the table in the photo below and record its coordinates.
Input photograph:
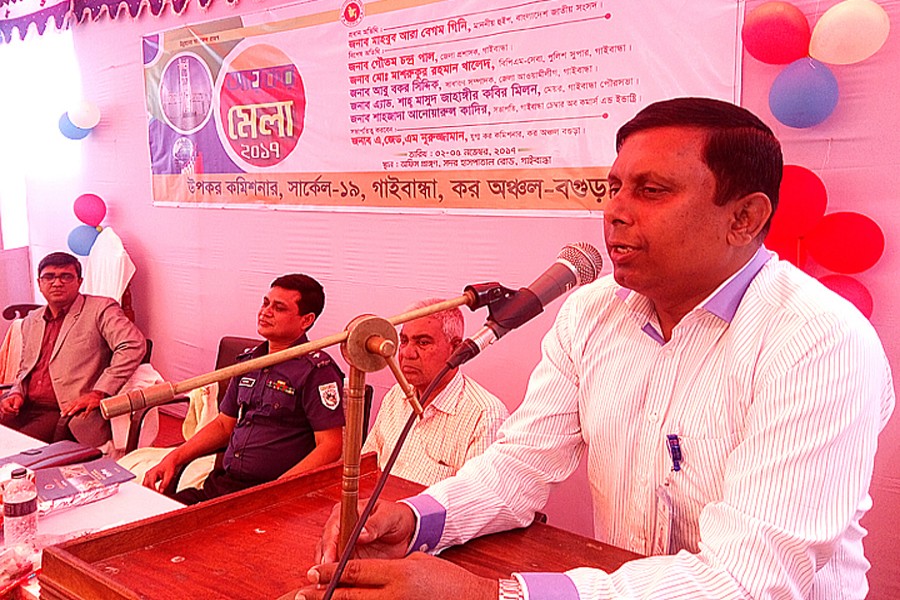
(132, 502)
(259, 543)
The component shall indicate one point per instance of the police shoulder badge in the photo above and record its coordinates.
(328, 393)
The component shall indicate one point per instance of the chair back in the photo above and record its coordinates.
(230, 347)
(148, 352)
(367, 410)
(18, 311)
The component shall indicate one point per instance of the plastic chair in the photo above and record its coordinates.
(139, 460)
(18, 311)
(8, 350)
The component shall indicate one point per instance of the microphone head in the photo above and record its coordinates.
(584, 260)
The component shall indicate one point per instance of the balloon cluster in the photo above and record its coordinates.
(79, 121)
(90, 210)
(805, 93)
(843, 242)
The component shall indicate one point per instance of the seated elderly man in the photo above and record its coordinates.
(76, 351)
(461, 421)
(278, 421)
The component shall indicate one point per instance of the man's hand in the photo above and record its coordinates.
(85, 402)
(417, 576)
(387, 532)
(10, 404)
(159, 477)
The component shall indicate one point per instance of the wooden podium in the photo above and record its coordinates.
(260, 543)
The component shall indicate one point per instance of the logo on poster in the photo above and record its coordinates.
(262, 104)
(185, 93)
(352, 13)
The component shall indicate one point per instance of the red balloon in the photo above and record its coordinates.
(852, 290)
(776, 33)
(801, 203)
(90, 209)
(846, 242)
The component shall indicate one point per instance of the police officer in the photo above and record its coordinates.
(277, 421)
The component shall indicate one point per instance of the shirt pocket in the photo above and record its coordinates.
(443, 446)
(279, 399)
(699, 482)
(446, 461)
(435, 469)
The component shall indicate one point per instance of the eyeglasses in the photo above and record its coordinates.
(63, 277)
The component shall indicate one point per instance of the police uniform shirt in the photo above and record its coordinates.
(278, 409)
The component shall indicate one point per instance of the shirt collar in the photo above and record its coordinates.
(723, 302)
(48, 316)
(263, 349)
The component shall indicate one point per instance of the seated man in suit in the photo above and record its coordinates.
(278, 421)
(76, 351)
(461, 421)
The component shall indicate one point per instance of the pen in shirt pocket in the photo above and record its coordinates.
(674, 450)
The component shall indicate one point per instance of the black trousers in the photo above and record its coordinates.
(218, 483)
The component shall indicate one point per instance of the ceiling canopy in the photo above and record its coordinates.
(18, 15)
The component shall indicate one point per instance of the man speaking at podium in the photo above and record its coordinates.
(729, 404)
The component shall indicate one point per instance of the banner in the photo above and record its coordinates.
(421, 104)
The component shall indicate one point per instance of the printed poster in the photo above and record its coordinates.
(418, 105)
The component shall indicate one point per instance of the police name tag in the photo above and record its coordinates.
(328, 393)
(247, 382)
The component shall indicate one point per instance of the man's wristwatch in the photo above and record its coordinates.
(510, 589)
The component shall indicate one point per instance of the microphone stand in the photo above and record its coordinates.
(348, 537)
(508, 310)
(370, 345)
(504, 305)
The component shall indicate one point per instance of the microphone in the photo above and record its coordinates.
(576, 264)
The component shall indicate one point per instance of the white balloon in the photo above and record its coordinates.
(848, 32)
(85, 115)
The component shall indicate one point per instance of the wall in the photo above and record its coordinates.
(15, 284)
(201, 272)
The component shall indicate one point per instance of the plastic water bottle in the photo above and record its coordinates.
(19, 510)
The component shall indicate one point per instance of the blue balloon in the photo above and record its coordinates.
(69, 130)
(82, 238)
(804, 94)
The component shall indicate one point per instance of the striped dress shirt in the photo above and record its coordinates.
(776, 389)
(460, 423)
